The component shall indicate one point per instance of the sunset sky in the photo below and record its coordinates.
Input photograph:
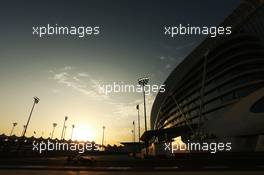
(64, 71)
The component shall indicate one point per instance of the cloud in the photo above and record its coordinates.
(88, 86)
(61, 77)
(162, 57)
(76, 78)
(168, 66)
(83, 74)
(68, 68)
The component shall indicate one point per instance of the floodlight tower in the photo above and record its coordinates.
(54, 126)
(64, 132)
(36, 100)
(132, 132)
(63, 127)
(24, 126)
(138, 123)
(73, 126)
(143, 82)
(14, 125)
(134, 128)
(103, 137)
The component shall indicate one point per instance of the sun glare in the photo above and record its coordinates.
(84, 133)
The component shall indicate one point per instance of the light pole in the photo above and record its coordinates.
(138, 124)
(73, 126)
(14, 125)
(36, 100)
(62, 133)
(54, 126)
(65, 128)
(132, 132)
(143, 82)
(24, 126)
(103, 137)
(134, 136)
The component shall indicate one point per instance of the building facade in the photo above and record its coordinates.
(217, 91)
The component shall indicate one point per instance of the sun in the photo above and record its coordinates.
(84, 133)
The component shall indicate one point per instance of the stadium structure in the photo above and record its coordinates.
(217, 92)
